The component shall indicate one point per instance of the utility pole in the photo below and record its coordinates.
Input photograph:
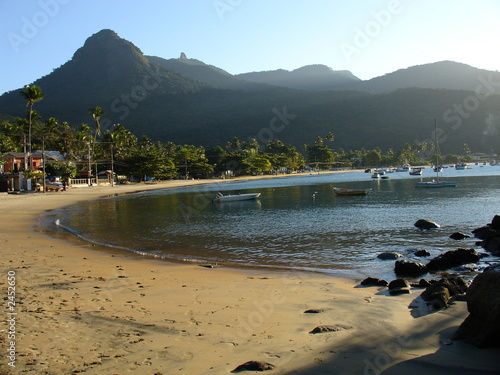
(88, 168)
(112, 168)
(43, 165)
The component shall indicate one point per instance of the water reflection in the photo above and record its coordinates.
(291, 225)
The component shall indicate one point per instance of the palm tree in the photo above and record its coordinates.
(97, 113)
(32, 94)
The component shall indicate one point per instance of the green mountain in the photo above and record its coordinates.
(189, 102)
(209, 74)
(107, 71)
(441, 75)
(311, 77)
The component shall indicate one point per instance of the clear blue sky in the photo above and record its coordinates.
(367, 37)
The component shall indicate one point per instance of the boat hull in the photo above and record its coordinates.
(340, 191)
(236, 197)
(435, 184)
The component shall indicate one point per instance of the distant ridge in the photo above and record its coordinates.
(440, 75)
(187, 101)
(310, 77)
(202, 72)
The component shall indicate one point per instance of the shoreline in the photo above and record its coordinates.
(82, 310)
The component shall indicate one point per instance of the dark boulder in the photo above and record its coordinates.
(459, 236)
(389, 255)
(313, 311)
(453, 258)
(439, 293)
(490, 234)
(399, 286)
(423, 283)
(481, 327)
(426, 224)
(371, 281)
(492, 244)
(485, 233)
(495, 223)
(254, 366)
(422, 253)
(409, 268)
(329, 328)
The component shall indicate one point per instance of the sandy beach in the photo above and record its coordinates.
(81, 309)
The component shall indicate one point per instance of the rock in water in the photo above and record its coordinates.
(426, 224)
(422, 253)
(254, 366)
(409, 268)
(481, 327)
(389, 255)
(495, 223)
(459, 236)
(453, 258)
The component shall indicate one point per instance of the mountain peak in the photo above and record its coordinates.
(107, 45)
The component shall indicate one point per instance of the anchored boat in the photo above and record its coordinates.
(219, 197)
(342, 191)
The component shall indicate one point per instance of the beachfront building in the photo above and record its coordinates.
(13, 165)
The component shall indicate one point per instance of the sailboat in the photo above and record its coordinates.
(436, 183)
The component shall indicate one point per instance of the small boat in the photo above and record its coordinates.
(435, 184)
(404, 168)
(385, 177)
(376, 175)
(342, 191)
(219, 197)
(416, 172)
(461, 166)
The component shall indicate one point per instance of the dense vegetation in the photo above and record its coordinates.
(128, 155)
(185, 101)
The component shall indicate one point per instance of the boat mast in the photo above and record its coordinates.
(437, 150)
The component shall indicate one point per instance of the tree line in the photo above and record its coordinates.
(86, 145)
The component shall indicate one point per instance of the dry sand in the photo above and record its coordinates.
(86, 310)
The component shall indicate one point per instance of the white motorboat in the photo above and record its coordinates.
(404, 168)
(416, 172)
(219, 197)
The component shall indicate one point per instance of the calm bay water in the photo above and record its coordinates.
(297, 223)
